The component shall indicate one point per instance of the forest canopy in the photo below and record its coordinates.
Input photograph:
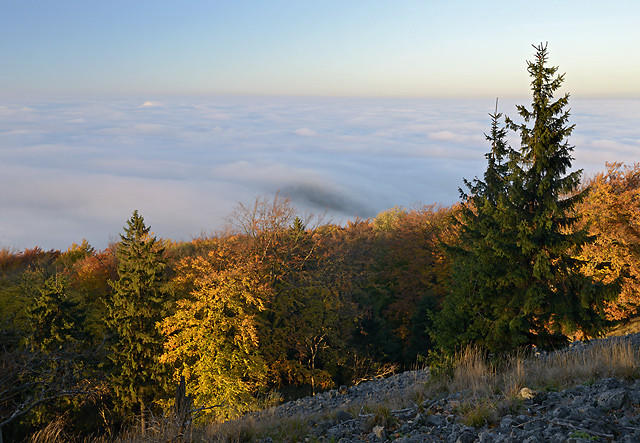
(281, 304)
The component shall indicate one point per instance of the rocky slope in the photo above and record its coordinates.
(607, 410)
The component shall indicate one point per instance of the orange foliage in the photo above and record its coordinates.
(19, 261)
(92, 272)
(612, 214)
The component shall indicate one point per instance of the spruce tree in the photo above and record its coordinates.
(517, 281)
(483, 256)
(556, 299)
(137, 304)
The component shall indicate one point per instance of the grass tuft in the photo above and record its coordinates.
(478, 413)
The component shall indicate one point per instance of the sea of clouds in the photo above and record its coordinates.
(73, 169)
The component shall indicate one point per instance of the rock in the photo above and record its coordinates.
(613, 399)
(607, 384)
(379, 433)
(526, 394)
(561, 412)
(608, 409)
(343, 415)
(467, 435)
(507, 421)
(486, 437)
(436, 420)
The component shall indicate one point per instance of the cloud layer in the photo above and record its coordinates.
(77, 169)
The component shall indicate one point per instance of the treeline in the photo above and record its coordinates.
(278, 303)
(281, 304)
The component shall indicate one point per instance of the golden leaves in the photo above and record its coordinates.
(611, 211)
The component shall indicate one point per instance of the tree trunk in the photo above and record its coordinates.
(143, 418)
(314, 350)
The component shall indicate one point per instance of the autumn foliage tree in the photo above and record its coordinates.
(263, 310)
(414, 270)
(611, 214)
(219, 339)
(212, 338)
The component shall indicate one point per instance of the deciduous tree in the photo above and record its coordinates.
(212, 337)
(611, 213)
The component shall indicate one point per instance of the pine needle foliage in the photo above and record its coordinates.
(516, 281)
(54, 318)
(137, 304)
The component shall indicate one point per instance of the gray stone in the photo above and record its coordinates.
(607, 384)
(379, 433)
(436, 420)
(507, 421)
(613, 399)
(561, 412)
(556, 438)
(343, 415)
(467, 435)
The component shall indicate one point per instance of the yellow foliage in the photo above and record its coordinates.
(212, 338)
(612, 213)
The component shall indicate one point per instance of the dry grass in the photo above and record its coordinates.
(479, 412)
(611, 358)
(630, 326)
(475, 374)
(488, 391)
(472, 372)
(52, 433)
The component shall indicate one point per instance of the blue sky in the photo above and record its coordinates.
(330, 47)
(183, 109)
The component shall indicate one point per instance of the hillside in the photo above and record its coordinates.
(589, 392)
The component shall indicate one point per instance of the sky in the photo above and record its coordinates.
(331, 47)
(183, 109)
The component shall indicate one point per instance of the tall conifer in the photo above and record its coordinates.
(516, 280)
(137, 304)
(484, 254)
(556, 299)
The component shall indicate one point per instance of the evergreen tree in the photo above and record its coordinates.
(483, 256)
(516, 280)
(137, 304)
(54, 318)
(557, 299)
